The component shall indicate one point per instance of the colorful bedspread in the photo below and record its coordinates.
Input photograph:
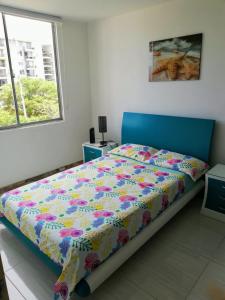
(81, 216)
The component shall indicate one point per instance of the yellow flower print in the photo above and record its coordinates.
(99, 182)
(96, 244)
(129, 151)
(126, 223)
(194, 164)
(122, 192)
(67, 222)
(44, 209)
(56, 185)
(75, 195)
(98, 206)
(149, 205)
(26, 197)
(141, 179)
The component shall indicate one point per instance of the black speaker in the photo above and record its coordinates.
(102, 127)
(92, 135)
(102, 124)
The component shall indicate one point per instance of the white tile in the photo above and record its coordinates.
(212, 279)
(33, 279)
(196, 232)
(165, 270)
(117, 287)
(219, 255)
(12, 250)
(13, 293)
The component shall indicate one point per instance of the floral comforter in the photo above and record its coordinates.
(81, 216)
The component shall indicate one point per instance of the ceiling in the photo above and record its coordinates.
(85, 10)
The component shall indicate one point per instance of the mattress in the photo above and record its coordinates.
(83, 215)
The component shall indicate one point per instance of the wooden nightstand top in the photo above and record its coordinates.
(217, 171)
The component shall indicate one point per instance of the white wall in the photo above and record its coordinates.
(118, 51)
(30, 151)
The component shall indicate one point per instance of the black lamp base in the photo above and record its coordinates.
(103, 143)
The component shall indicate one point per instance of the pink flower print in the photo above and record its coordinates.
(139, 167)
(126, 147)
(97, 214)
(146, 218)
(107, 214)
(103, 189)
(123, 236)
(14, 192)
(46, 217)
(62, 289)
(165, 201)
(103, 213)
(44, 181)
(194, 172)
(206, 166)
(122, 176)
(181, 186)
(69, 171)
(161, 173)
(120, 161)
(79, 202)
(127, 198)
(174, 161)
(103, 169)
(70, 232)
(92, 261)
(83, 180)
(58, 191)
(26, 204)
(146, 154)
(144, 185)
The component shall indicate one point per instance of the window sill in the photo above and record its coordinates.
(33, 124)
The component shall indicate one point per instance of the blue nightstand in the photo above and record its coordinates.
(93, 151)
(214, 200)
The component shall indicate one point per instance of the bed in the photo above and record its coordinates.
(86, 221)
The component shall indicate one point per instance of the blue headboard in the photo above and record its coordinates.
(189, 136)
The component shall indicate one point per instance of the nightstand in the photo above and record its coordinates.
(93, 151)
(214, 200)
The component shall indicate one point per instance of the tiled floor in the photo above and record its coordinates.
(180, 262)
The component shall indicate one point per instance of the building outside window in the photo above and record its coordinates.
(29, 85)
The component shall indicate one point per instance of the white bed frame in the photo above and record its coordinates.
(97, 277)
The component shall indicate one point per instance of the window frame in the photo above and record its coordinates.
(58, 81)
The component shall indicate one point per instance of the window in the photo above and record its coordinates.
(29, 86)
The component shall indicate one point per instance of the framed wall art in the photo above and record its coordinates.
(176, 59)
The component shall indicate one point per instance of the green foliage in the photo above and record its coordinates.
(40, 98)
(7, 118)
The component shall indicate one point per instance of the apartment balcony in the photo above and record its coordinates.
(49, 77)
(46, 54)
(3, 73)
(2, 63)
(30, 66)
